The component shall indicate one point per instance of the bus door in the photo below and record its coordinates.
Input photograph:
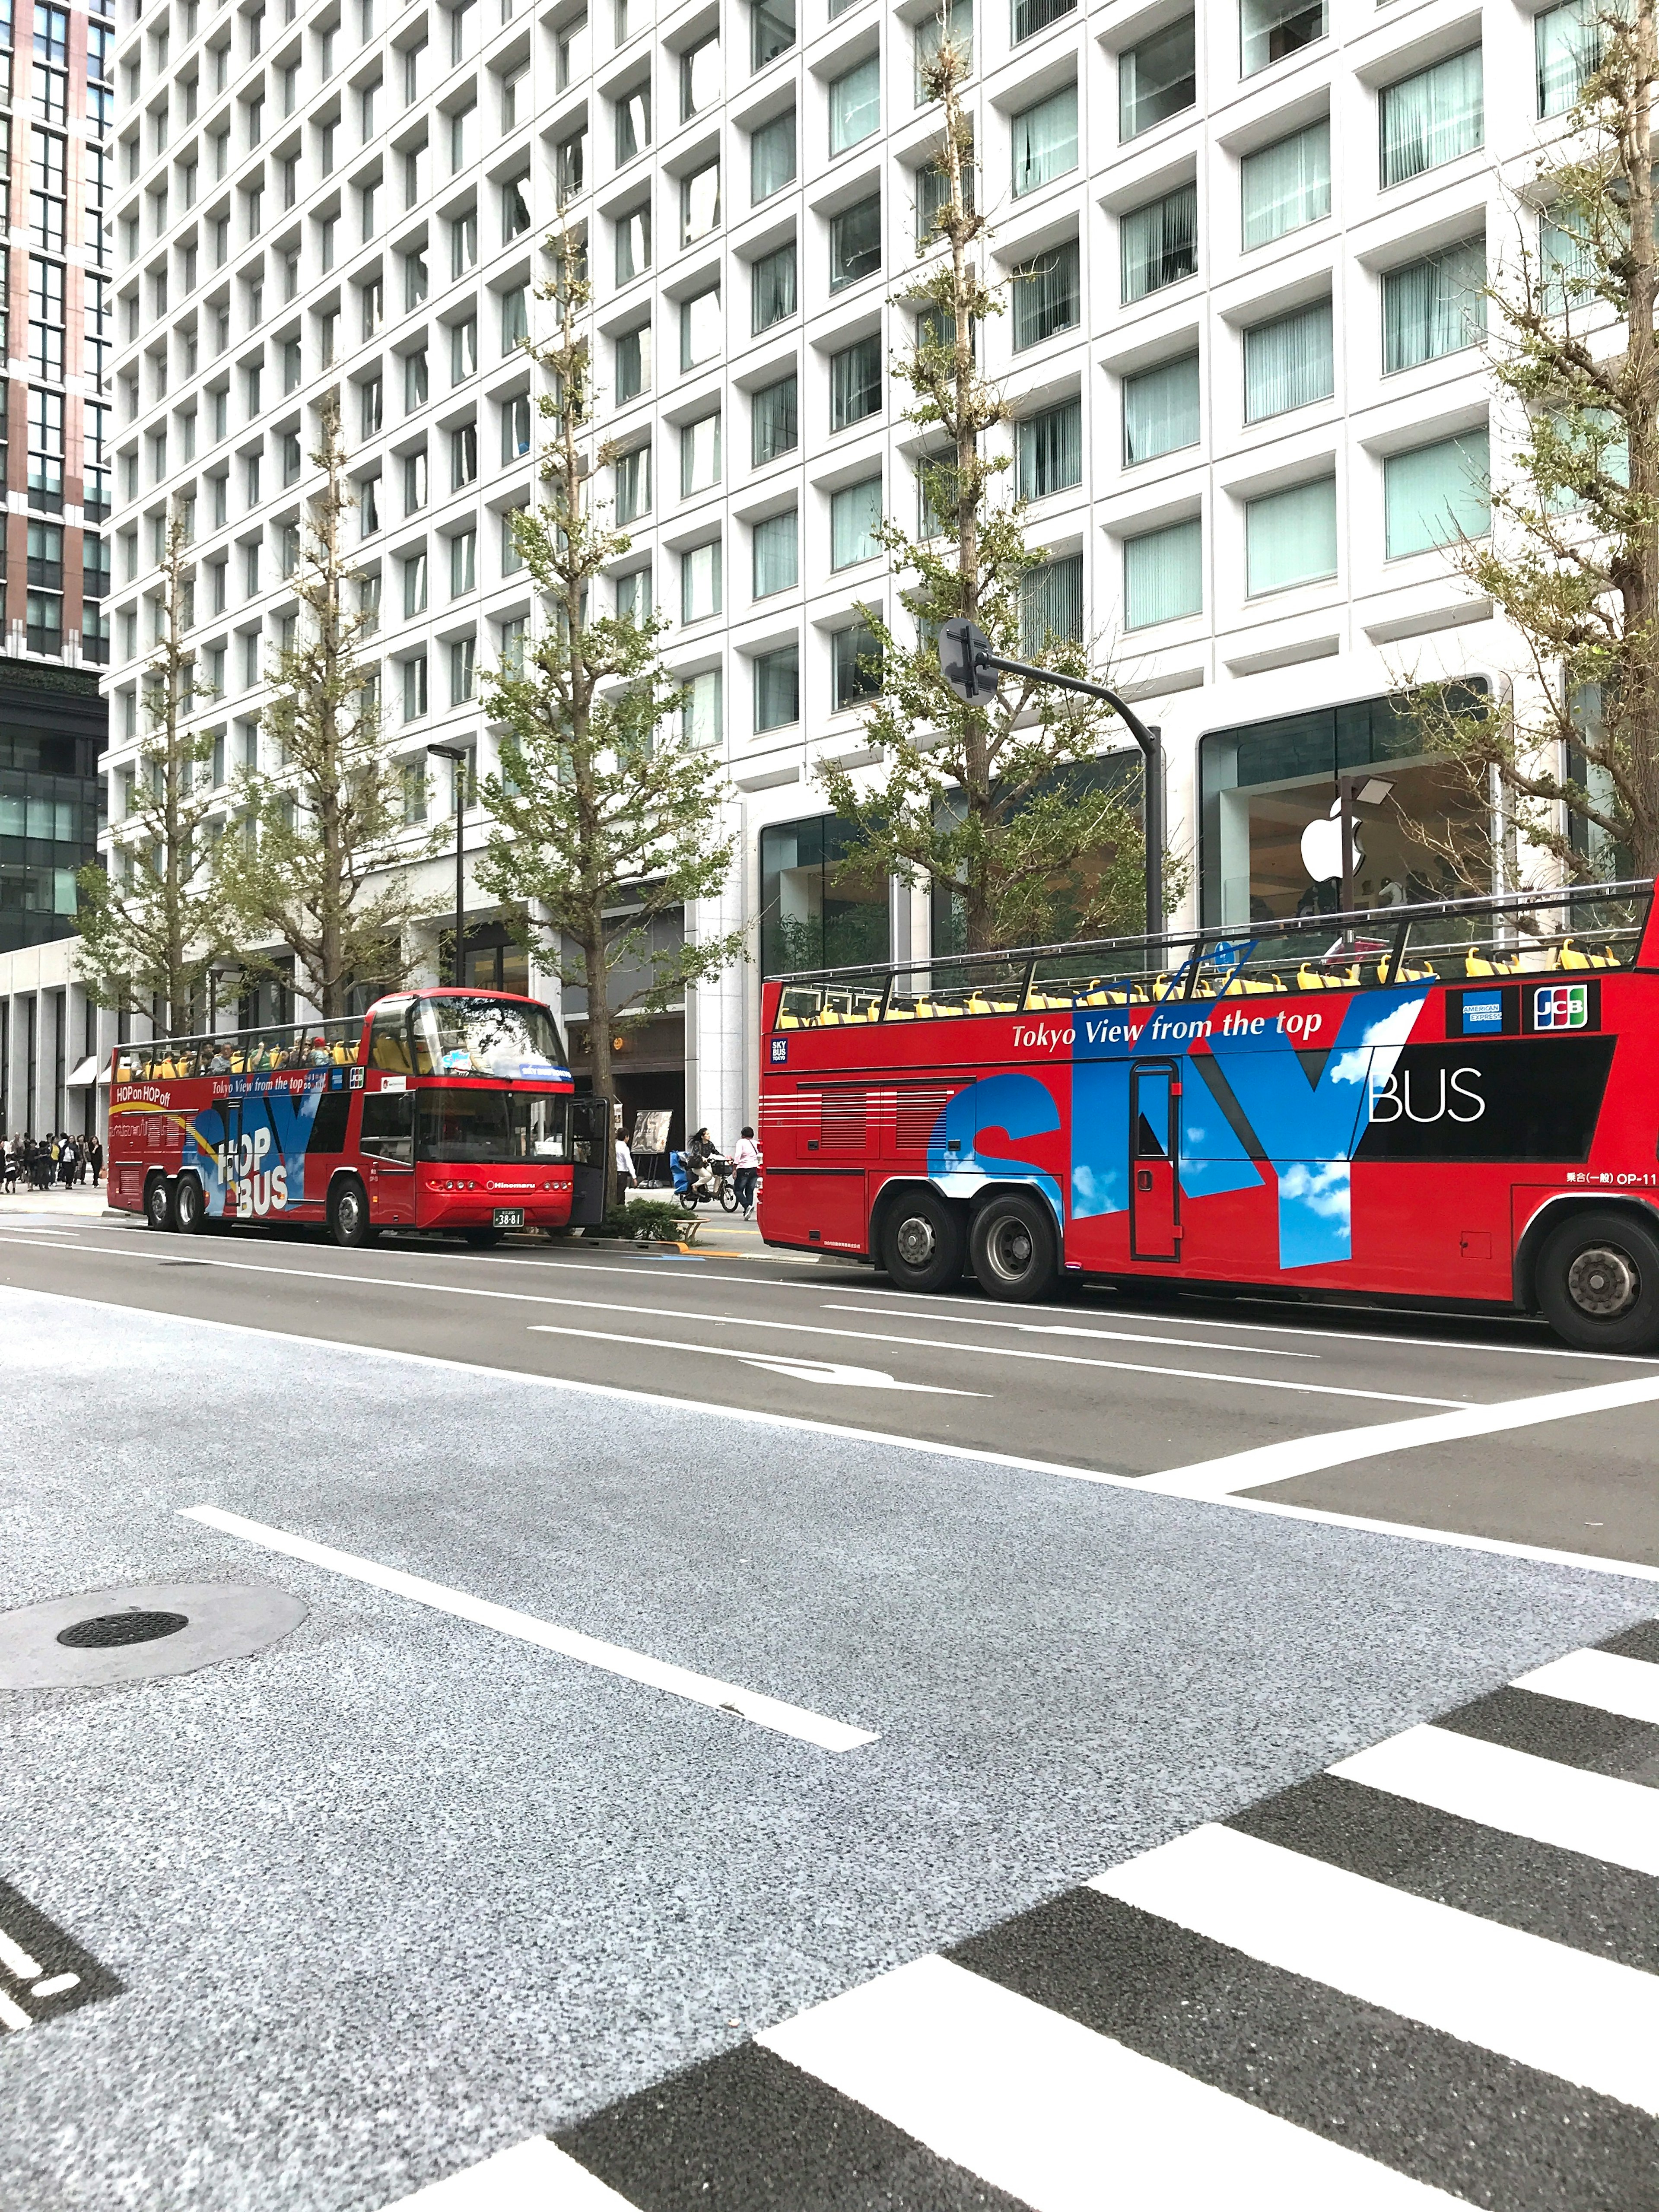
(592, 1126)
(1154, 1148)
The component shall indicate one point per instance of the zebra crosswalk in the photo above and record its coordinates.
(1427, 1977)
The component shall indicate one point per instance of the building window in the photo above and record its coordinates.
(1289, 362)
(1048, 451)
(415, 481)
(856, 664)
(463, 562)
(570, 167)
(700, 581)
(44, 617)
(1287, 185)
(462, 669)
(700, 202)
(815, 913)
(933, 197)
(855, 105)
(1160, 411)
(1434, 306)
(634, 484)
(1051, 604)
(771, 31)
(777, 561)
(701, 719)
(516, 219)
(632, 364)
(700, 76)
(773, 289)
(1269, 30)
(633, 596)
(700, 454)
(700, 331)
(415, 695)
(463, 243)
(1432, 117)
(1157, 244)
(1157, 78)
(855, 242)
(463, 456)
(774, 420)
(855, 382)
(1437, 494)
(632, 122)
(1568, 45)
(515, 429)
(1048, 295)
(515, 318)
(1163, 574)
(855, 520)
(415, 585)
(1290, 537)
(1045, 141)
(511, 555)
(415, 382)
(772, 157)
(633, 244)
(777, 689)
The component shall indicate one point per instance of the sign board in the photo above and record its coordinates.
(651, 1129)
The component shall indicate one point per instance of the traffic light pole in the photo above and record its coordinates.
(965, 650)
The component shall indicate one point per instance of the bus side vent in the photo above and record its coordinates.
(920, 1106)
(844, 1115)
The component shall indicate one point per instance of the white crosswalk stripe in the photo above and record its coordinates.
(1530, 2043)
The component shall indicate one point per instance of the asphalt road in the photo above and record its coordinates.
(1134, 1384)
(916, 1801)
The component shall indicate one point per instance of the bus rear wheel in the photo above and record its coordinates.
(921, 1243)
(348, 1215)
(190, 1205)
(1012, 1246)
(1598, 1282)
(158, 1204)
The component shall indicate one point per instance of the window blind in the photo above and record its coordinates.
(1287, 185)
(1289, 362)
(1431, 117)
(1163, 574)
(1160, 411)
(1290, 537)
(1438, 494)
(1045, 141)
(1434, 306)
(1158, 243)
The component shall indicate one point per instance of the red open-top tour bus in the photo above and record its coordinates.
(1450, 1100)
(440, 1109)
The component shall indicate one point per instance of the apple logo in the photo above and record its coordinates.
(1321, 846)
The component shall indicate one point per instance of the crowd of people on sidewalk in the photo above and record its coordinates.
(47, 1163)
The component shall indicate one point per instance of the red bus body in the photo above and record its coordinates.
(268, 1123)
(1397, 1104)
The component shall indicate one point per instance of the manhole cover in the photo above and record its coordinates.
(134, 1634)
(105, 1631)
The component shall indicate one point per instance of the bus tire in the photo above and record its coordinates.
(1011, 1243)
(158, 1203)
(921, 1241)
(1598, 1281)
(190, 1205)
(348, 1215)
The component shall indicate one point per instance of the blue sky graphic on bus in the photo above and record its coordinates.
(250, 1149)
(1307, 1111)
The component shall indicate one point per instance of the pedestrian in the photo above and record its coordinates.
(9, 1167)
(96, 1157)
(626, 1175)
(745, 1170)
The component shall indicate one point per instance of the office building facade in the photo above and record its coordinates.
(1242, 246)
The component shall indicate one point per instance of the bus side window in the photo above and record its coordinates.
(389, 1126)
(389, 1046)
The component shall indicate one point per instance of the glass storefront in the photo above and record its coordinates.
(1270, 839)
(812, 916)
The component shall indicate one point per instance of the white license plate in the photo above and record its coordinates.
(509, 1217)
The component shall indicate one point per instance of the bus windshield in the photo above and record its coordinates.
(502, 1037)
(483, 1126)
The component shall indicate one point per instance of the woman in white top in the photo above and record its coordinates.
(745, 1170)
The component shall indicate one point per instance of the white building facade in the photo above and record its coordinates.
(1242, 350)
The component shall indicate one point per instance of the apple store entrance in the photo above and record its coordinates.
(1272, 795)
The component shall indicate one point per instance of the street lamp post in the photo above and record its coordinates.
(457, 755)
(971, 668)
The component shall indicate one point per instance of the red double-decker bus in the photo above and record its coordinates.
(1456, 1101)
(439, 1110)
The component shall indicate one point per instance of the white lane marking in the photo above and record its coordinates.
(611, 1658)
(1588, 2019)
(1350, 1336)
(1455, 1539)
(1294, 1455)
(12, 2014)
(775, 1362)
(55, 1984)
(1101, 1336)
(533, 2177)
(1629, 1688)
(17, 1962)
(1517, 1792)
(808, 1329)
(1060, 2117)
